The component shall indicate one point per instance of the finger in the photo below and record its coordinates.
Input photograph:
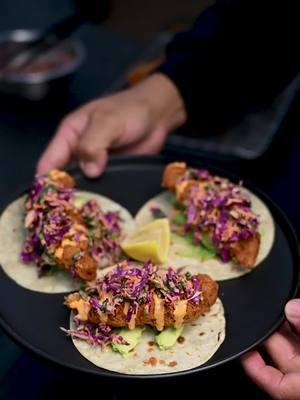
(292, 312)
(61, 148)
(289, 388)
(94, 168)
(266, 377)
(98, 137)
(284, 350)
(152, 144)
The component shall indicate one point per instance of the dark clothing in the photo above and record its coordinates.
(236, 57)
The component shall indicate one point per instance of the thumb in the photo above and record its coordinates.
(292, 312)
(94, 144)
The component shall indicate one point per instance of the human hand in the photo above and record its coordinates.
(281, 380)
(135, 121)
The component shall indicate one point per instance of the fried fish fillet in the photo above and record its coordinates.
(145, 315)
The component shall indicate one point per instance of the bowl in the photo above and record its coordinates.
(49, 74)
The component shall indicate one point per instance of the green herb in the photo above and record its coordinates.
(179, 219)
(155, 283)
(40, 236)
(90, 222)
(53, 269)
(181, 285)
(169, 287)
(145, 312)
(160, 291)
(46, 190)
(209, 186)
(77, 255)
(82, 284)
(123, 282)
(207, 243)
(103, 307)
(193, 174)
(175, 203)
(188, 276)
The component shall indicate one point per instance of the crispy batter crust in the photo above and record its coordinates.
(62, 178)
(245, 252)
(172, 173)
(209, 296)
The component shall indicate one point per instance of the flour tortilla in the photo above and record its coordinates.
(12, 236)
(214, 267)
(202, 338)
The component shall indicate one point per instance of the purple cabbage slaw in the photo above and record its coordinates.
(51, 216)
(104, 231)
(46, 221)
(135, 286)
(100, 335)
(220, 209)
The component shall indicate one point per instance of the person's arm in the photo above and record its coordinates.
(239, 54)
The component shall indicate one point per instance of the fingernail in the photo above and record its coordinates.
(293, 308)
(90, 168)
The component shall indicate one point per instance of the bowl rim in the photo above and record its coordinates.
(26, 35)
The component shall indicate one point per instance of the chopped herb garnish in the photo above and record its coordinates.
(193, 174)
(40, 236)
(160, 291)
(175, 202)
(53, 269)
(77, 255)
(169, 287)
(123, 282)
(145, 312)
(179, 219)
(103, 307)
(155, 283)
(46, 190)
(188, 276)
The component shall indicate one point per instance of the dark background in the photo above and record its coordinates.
(26, 127)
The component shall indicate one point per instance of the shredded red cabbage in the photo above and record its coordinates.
(220, 209)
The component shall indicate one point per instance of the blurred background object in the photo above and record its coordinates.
(45, 75)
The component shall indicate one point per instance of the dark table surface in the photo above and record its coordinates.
(24, 131)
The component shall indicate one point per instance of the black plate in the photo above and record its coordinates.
(254, 304)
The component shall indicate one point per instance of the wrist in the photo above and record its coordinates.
(164, 101)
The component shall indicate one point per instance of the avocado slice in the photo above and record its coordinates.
(168, 337)
(79, 201)
(179, 218)
(132, 337)
(185, 247)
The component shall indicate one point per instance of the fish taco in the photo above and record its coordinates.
(218, 227)
(55, 237)
(140, 319)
